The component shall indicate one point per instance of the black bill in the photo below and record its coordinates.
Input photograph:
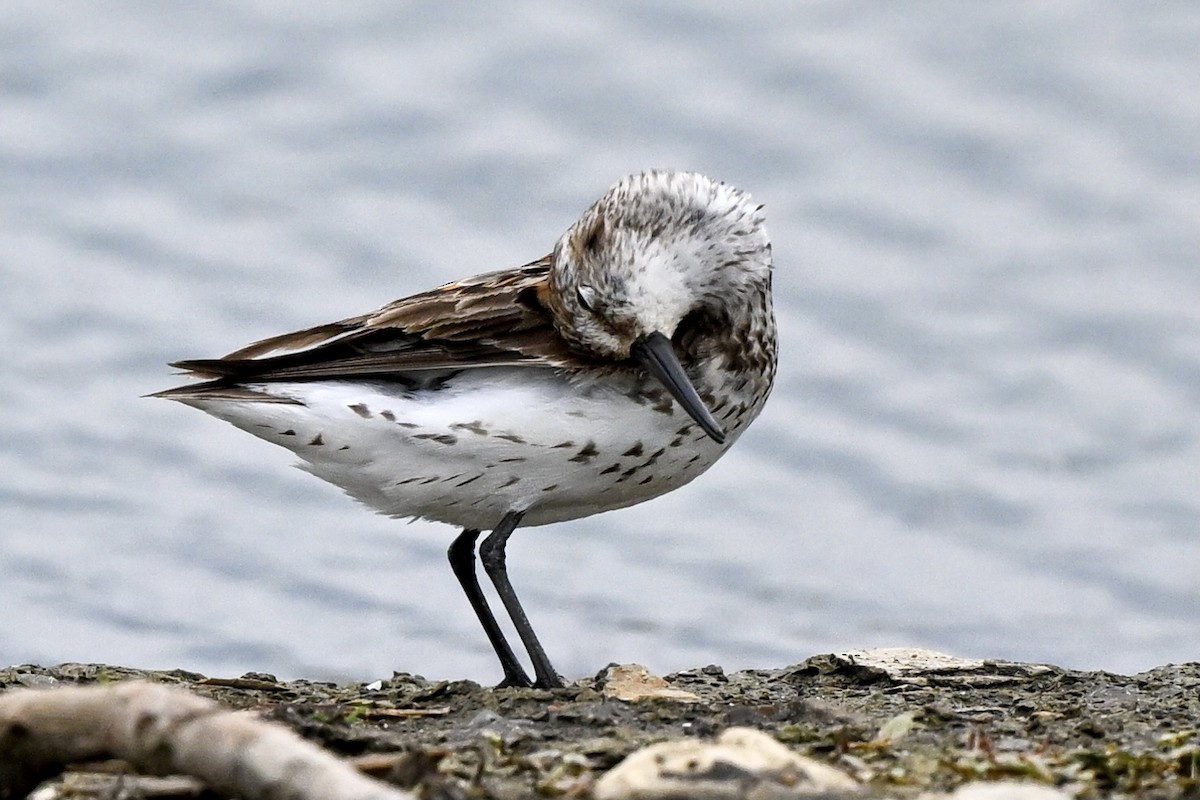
(654, 352)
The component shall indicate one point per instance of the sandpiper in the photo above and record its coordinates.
(613, 370)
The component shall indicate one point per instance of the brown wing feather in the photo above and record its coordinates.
(489, 320)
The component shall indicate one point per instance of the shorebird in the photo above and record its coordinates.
(613, 370)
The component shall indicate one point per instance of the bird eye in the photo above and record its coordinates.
(586, 296)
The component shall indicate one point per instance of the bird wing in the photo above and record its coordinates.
(494, 319)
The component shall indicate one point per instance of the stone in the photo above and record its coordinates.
(740, 763)
(633, 682)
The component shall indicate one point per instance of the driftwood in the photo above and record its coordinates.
(160, 731)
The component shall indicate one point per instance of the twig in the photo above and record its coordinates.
(162, 731)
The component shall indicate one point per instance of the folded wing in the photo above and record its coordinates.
(493, 319)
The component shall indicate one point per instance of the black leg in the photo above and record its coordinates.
(462, 561)
(491, 553)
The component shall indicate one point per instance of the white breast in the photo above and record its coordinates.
(488, 442)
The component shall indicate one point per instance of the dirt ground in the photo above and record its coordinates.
(901, 726)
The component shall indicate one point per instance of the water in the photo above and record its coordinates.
(985, 436)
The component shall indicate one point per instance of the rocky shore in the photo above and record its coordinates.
(891, 723)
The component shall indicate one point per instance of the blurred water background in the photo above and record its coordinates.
(986, 434)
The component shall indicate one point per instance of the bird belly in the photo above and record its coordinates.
(483, 443)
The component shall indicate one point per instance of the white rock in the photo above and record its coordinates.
(1006, 790)
(741, 763)
(902, 661)
(925, 667)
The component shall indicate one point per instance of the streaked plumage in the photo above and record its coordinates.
(533, 395)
